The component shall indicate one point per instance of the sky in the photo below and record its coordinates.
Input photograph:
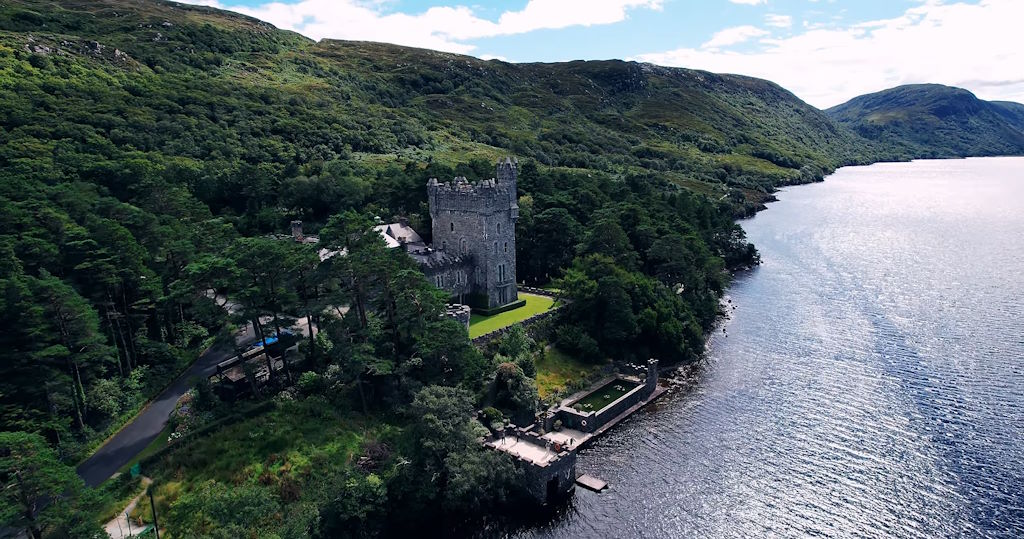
(824, 51)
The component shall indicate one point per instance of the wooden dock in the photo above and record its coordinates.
(591, 483)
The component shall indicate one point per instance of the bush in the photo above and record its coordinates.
(310, 383)
(577, 342)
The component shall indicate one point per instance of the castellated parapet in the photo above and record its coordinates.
(476, 221)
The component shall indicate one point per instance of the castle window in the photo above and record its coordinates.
(495, 247)
(444, 245)
(452, 226)
(499, 228)
(439, 281)
(506, 246)
(465, 246)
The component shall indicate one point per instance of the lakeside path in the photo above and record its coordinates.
(144, 428)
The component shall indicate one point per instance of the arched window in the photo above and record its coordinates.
(506, 246)
(499, 228)
(453, 226)
(465, 246)
(444, 245)
(495, 247)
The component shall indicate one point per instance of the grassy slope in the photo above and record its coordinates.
(559, 374)
(280, 448)
(930, 120)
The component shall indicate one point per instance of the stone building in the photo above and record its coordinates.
(474, 229)
(473, 256)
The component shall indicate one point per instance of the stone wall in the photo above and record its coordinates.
(499, 333)
(559, 473)
(477, 221)
(647, 377)
(537, 291)
(460, 313)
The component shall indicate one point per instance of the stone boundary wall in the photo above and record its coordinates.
(572, 418)
(498, 333)
(537, 291)
(624, 403)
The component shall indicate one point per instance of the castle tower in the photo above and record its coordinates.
(478, 220)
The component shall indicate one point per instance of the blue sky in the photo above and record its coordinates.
(825, 51)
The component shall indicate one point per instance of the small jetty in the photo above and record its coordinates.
(590, 482)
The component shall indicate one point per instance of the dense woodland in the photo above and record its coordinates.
(149, 152)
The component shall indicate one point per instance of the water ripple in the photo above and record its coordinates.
(870, 383)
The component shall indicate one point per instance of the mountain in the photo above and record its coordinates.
(1012, 112)
(931, 120)
(205, 86)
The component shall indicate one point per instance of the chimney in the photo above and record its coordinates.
(297, 231)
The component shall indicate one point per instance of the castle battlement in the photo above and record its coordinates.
(476, 222)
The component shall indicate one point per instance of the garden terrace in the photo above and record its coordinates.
(480, 325)
(605, 395)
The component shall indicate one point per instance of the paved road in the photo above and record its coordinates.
(138, 434)
(134, 437)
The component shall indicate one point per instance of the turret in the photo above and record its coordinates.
(476, 221)
(507, 176)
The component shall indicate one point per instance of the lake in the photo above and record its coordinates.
(869, 382)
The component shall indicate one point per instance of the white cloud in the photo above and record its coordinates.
(977, 46)
(443, 28)
(778, 21)
(733, 36)
(749, 2)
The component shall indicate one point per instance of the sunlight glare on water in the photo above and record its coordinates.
(870, 382)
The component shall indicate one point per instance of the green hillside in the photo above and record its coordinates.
(217, 92)
(150, 150)
(931, 120)
(1011, 112)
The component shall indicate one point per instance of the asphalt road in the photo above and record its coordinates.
(142, 430)
(134, 437)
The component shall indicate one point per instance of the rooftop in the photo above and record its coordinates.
(526, 450)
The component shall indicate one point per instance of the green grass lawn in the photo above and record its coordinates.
(604, 395)
(482, 325)
(557, 370)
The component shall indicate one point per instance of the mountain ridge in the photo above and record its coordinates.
(243, 80)
(933, 120)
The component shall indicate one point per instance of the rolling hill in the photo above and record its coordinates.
(931, 120)
(203, 86)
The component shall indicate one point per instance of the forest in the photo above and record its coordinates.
(150, 152)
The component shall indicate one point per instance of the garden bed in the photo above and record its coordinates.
(604, 395)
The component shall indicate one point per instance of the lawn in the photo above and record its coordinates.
(556, 371)
(482, 325)
(604, 395)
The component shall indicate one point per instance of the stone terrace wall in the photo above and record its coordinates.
(624, 403)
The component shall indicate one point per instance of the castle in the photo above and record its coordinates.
(473, 256)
